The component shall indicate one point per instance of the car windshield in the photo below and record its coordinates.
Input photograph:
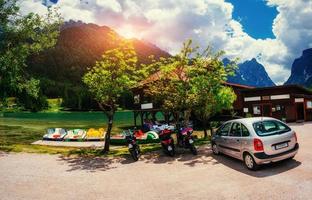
(270, 127)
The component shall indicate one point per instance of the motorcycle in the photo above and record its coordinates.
(186, 140)
(134, 148)
(167, 142)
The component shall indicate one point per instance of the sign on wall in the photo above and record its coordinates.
(146, 106)
(281, 96)
(265, 98)
(299, 100)
(252, 99)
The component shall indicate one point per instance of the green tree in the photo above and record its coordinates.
(116, 73)
(172, 87)
(20, 37)
(207, 78)
(192, 81)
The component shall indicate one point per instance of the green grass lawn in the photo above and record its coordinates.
(19, 130)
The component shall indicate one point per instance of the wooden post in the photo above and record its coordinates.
(135, 117)
(154, 116)
(141, 115)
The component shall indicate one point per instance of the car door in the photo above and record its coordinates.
(222, 137)
(234, 140)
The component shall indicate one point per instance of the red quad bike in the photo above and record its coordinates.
(186, 140)
(167, 142)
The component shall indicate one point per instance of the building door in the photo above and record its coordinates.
(300, 111)
(267, 110)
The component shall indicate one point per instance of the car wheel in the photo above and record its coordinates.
(250, 162)
(215, 149)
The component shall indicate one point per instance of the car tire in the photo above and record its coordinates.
(249, 162)
(215, 149)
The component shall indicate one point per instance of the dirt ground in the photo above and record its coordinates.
(155, 176)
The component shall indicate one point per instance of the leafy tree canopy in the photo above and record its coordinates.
(193, 81)
(20, 37)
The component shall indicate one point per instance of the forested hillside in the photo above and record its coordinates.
(79, 46)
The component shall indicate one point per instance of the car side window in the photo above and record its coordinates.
(236, 130)
(218, 131)
(224, 131)
(245, 132)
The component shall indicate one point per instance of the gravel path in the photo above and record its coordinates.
(155, 176)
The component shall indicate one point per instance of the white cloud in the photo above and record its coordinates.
(167, 23)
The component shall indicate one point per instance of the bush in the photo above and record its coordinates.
(32, 104)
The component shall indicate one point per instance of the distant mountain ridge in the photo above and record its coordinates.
(78, 47)
(250, 73)
(301, 70)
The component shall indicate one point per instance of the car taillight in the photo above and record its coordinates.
(258, 145)
(295, 134)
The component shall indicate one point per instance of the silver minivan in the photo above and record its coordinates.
(256, 140)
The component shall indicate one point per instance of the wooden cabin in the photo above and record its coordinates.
(288, 102)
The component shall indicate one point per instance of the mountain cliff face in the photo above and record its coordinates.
(301, 70)
(250, 73)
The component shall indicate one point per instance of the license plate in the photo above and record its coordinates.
(169, 148)
(280, 146)
(130, 146)
(191, 141)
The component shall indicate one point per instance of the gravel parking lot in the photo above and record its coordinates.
(155, 176)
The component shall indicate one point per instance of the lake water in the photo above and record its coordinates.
(43, 121)
(122, 117)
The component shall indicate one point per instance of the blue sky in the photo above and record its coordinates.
(255, 16)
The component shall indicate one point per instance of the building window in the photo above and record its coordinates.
(256, 110)
(246, 110)
(309, 104)
(278, 107)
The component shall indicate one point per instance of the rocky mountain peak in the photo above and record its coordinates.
(250, 73)
(301, 70)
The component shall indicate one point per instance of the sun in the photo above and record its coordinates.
(127, 32)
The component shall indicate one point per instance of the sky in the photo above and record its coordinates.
(255, 16)
(273, 31)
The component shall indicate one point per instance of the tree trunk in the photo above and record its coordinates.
(187, 115)
(109, 110)
(205, 128)
(108, 132)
